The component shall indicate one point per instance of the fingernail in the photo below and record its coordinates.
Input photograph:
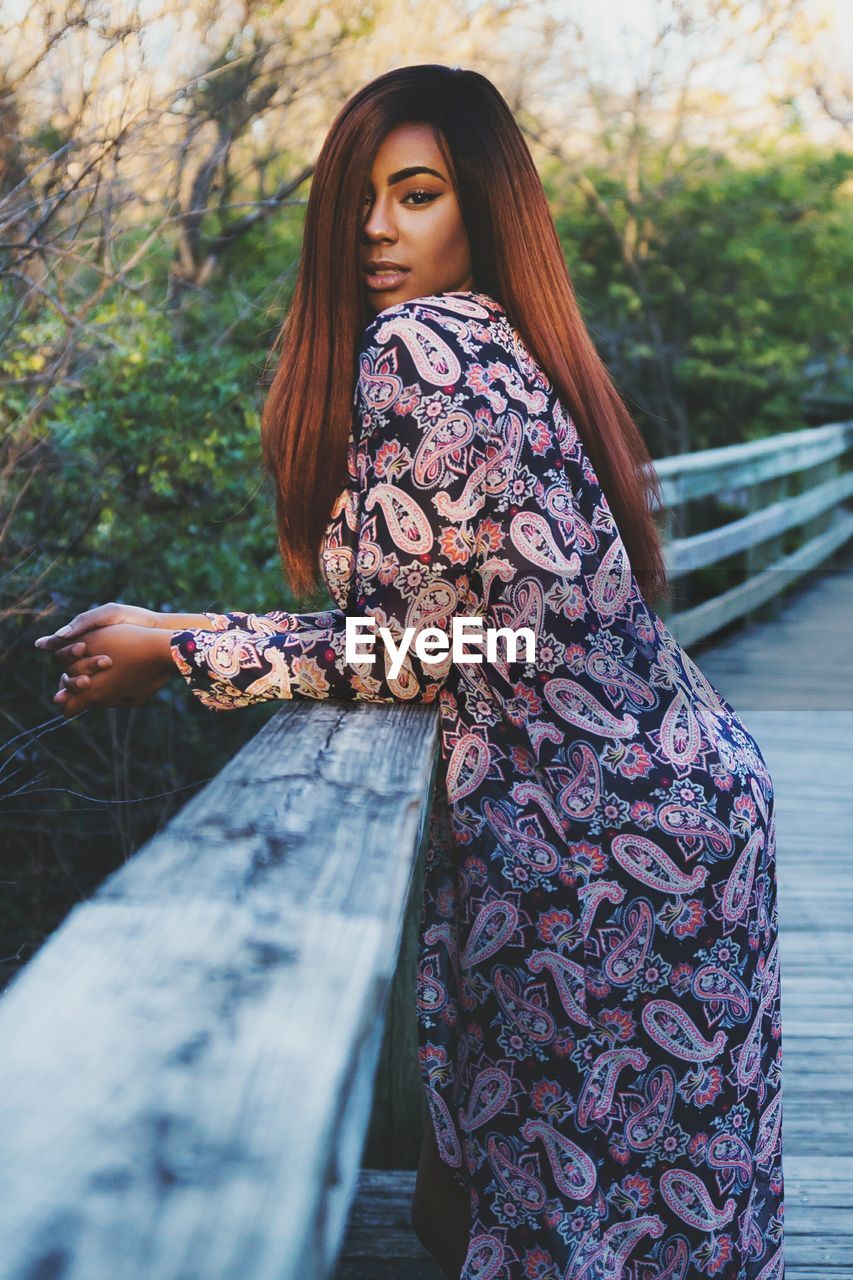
(104, 662)
(39, 644)
(63, 631)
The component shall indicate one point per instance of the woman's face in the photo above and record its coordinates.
(413, 224)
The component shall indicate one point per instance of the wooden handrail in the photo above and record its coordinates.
(715, 545)
(187, 1064)
(712, 471)
(757, 474)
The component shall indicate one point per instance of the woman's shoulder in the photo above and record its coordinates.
(428, 346)
(463, 320)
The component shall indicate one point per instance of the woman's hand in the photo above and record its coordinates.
(71, 646)
(140, 663)
(60, 643)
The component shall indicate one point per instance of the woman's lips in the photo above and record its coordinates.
(384, 279)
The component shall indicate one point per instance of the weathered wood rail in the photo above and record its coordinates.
(191, 1064)
(187, 1064)
(799, 481)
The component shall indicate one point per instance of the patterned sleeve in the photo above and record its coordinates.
(427, 462)
(235, 620)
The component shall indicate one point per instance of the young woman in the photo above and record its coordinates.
(598, 997)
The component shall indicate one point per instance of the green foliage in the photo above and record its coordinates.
(734, 293)
(152, 451)
(157, 494)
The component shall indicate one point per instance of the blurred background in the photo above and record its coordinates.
(155, 160)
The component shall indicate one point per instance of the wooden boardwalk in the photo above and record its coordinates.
(791, 680)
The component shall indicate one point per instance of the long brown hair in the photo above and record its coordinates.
(516, 258)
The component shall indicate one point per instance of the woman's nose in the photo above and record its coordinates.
(378, 225)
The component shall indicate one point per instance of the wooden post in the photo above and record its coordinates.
(761, 554)
(399, 1110)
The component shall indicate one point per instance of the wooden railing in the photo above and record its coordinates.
(795, 481)
(188, 1066)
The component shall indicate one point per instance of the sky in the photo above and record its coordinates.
(620, 37)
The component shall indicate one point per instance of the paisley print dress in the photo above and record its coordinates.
(598, 982)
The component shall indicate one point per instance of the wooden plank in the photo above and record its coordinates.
(188, 1061)
(805, 1197)
(704, 619)
(811, 1169)
(381, 1213)
(683, 554)
(714, 471)
(808, 754)
(398, 1112)
(772, 666)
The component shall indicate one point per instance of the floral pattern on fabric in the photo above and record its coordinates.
(598, 980)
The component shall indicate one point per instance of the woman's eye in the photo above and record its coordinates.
(419, 198)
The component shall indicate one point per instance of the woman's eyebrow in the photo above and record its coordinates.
(410, 173)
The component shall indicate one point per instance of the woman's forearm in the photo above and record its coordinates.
(183, 621)
(162, 647)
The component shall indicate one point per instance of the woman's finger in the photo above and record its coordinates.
(88, 666)
(56, 639)
(70, 652)
(70, 701)
(69, 704)
(80, 675)
(102, 615)
(82, 654)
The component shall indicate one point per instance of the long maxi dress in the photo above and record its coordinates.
(598, 977)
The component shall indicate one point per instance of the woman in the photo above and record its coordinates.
(598, 995)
